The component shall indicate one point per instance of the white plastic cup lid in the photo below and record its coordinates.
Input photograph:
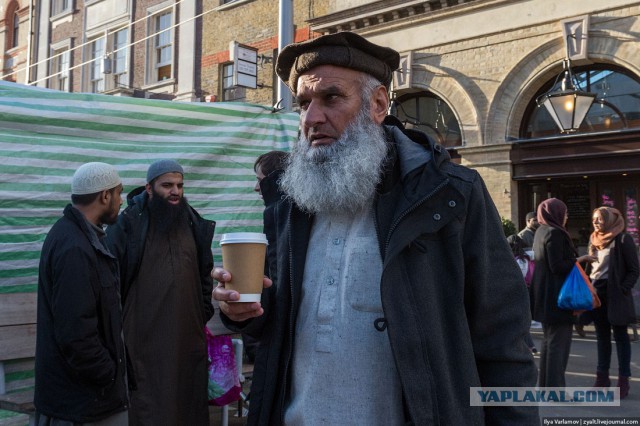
(243, 237)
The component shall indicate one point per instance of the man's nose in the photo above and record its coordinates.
(313, 115)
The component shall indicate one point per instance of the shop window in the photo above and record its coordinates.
(430, 114)
(617, 104)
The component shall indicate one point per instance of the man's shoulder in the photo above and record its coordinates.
(525, 231)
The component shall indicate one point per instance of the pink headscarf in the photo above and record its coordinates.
(551, 212)
(612, 226)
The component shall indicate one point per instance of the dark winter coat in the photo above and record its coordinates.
(80, 361)
(271, 194)
(623, 274)
(455, 309)
(554, 256)
(126, 240)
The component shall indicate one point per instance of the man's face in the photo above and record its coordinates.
(259, 177)
(338, 160)
(110, 215)
(169, 186)
(329, 99)
(533, 223)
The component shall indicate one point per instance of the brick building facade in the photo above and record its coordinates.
(470, 76)
(15, 20)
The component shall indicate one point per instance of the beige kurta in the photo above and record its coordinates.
(164, 333)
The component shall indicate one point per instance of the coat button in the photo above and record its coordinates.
(436, 216)
(452, 203)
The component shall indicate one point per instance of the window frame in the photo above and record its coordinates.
(15, 31)
(62, 78)
(229, 92)
(153, 63)
(61, 7)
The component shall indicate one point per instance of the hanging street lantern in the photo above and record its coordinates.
(568, 106)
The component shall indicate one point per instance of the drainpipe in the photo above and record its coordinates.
(29, 53)
(285, 37)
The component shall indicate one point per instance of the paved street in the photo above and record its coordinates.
(581, 372)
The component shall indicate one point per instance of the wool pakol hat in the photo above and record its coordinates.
(343, 49)
(161, 167)
(91, 178)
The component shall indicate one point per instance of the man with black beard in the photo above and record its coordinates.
(164, 248)
(396, 289)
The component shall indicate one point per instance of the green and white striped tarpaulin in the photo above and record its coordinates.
(45, 135)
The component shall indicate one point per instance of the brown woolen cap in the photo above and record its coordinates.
(343, 49)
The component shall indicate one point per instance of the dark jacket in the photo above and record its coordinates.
(271, 194)
(80, 362)
(455, 308)
(554, 255)
(127, 237)
(623, 274)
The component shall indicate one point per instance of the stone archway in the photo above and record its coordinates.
(441, 82)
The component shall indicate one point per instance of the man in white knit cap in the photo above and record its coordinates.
(80, 355)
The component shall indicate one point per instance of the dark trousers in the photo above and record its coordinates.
(603, 334)
(554, 354)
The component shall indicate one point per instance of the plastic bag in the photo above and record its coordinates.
(529, 275)
(575, 293)
(224, 383)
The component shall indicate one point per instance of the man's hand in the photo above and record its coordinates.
(236, 311)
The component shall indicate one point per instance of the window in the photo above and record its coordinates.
(161, 55)
(96, 54)
(59, 69)
(430, 114)
(119, 67)
(12, 34)
(60, 6)
(16, 30)
(229, 91)
(617, 104)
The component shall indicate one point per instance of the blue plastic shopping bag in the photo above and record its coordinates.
(575, 293)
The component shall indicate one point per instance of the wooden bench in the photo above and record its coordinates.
(17, 350)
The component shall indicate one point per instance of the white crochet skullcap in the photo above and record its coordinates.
(94, 177)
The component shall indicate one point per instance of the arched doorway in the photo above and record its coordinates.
(599, 165)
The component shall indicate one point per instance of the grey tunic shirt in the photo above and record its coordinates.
(343, 369)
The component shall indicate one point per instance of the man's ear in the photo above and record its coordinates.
(105, 196)
(147, 187)
(379, 104)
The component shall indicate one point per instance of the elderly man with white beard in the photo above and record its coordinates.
(396, 289)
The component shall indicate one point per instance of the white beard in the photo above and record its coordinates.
(341, 177)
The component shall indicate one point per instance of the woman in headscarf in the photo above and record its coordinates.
(613, 274)
(554, 256)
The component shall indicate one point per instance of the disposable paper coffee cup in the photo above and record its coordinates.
(243, 256)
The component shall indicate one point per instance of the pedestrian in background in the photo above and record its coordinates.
(554, 256)
(529, 231)
(268, 168)
(164, 248)
(526, 265)
(80, 362)
(383, 246)
(614, 273)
